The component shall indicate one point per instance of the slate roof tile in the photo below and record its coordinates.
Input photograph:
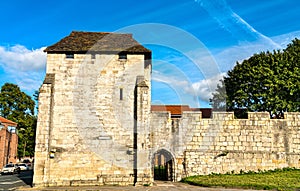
(79, 41)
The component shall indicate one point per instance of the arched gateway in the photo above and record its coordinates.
(163, 164)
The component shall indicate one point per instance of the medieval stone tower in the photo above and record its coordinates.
(96, 125)
(94, 108)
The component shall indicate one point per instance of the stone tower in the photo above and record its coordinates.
(94, 108)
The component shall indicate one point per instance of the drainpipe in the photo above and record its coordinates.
(8, 146)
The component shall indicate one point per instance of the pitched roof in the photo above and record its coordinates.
(79, 41)
(176, 110)
(173, 109)
(4, 120)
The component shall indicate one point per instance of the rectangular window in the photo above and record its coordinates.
(122, 56)
(93, 56)
(69, 55)
(121, 93)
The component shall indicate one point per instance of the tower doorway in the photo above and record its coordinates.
(163, 164)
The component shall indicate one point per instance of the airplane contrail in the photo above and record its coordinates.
(233, 23)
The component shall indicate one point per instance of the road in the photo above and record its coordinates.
(11, 182)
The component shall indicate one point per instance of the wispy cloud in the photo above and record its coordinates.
(250, 42)
(180, 85)
(228, 57)
(174, 81)
(285, 39)
(23, 66)
(233, 23)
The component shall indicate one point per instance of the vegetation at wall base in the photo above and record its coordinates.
(286, 179)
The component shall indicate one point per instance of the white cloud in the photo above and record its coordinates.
(22, 66)
(20, 58)
(168, 79)
(187, 91)
(204, 88)
(30, 82)
(173, 81)
(227, 59)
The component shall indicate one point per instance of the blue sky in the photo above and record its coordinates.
(194, 42)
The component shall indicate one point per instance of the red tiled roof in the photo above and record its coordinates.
(178, 109)
(4, 120)
(173, 109)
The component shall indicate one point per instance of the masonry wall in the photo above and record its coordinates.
(8, 139)
(223, 144)
(3, 147)
(13, 151)
(85, 131)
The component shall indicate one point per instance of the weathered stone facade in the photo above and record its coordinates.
(72, 127)
(95, 127)
(224, 144)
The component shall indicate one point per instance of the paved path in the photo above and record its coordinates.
(12, 182)
(160, 186)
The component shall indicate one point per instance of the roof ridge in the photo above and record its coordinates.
(4, 120)
(97, 32)
(84, 41)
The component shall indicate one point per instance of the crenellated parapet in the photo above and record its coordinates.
(223, 143)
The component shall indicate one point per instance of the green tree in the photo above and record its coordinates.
(268, 81)
(17, 106)
(218, 102)
(36, 98)
(27, 139)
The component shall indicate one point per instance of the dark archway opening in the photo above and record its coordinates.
(163, 164)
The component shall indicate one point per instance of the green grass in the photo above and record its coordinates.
(287, 179)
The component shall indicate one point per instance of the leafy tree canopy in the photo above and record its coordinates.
(17, 106)
(268, 81)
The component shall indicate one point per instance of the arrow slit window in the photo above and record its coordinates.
(121, 93)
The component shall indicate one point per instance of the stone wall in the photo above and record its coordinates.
(224, 144)
(86, 120)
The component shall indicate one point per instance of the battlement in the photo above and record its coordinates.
(224, 143)
(222, 115)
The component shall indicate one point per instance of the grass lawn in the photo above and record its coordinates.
(280, 179)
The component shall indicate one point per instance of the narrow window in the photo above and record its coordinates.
(122, 56)
(70, 55)
(93, 56)
(121, 93)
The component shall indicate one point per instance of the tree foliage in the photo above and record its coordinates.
(17, 106)
(268, 81)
